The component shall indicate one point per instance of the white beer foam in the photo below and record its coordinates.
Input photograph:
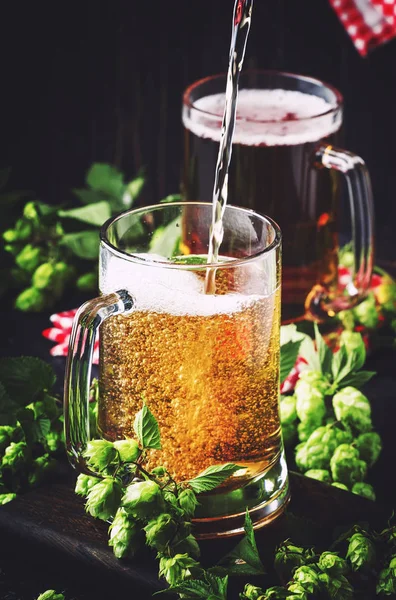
(171, 291)
(264, 118)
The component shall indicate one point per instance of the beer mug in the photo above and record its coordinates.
(285, 164)
(206, 365)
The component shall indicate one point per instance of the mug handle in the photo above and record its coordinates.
(322, 302)
(86, 323)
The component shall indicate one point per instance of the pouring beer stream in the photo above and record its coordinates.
(240, 30)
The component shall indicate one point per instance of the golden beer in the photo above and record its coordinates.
(211, 380)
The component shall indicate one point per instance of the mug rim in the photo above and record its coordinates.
(232, 263)
(187, 102)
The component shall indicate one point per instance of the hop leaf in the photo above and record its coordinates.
(51, 595)
(103, 499)
(100, 454)
(289, 557)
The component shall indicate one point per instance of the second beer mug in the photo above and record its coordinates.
(283, 165)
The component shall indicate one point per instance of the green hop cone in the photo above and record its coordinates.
(386, 585)
(288, 558)
(5, 437)
(366, 312)
(331, 563)
(337, 587)
(51, 595)
(160, 531)
(31, 300)
(296, 592)
(84, 483)
(54, 441)
(100, 454)
(188, 502)
(177, 568)
(143, 499)
(6, 498)
(340, 485)
(361, 551)
(346, 466)
(252, 592)
(128, 450)
(352, 408)
(319, 475)
(364, 489)
(305, 429)
(308, 578)
(29, 258)
(287, 410)
(125, 538)
(103, 499)
(317, 451)
(369, 446)
(30, 211)
(15, 456)
(44, 276)
(88, 282)
(309, 391)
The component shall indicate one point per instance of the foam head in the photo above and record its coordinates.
(266, 117)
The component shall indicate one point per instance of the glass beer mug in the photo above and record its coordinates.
(207, 365)
(284, 164)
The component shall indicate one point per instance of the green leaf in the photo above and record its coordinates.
(212, 477)
(105, 178)
(36, 430)
(325, 353)
(208, 587)
(25, 377)
(307, 348)
(94, 214)
(288, 357)
(339, 365)
(244, 559)
(84, 244)
(146, 429)
(133, 190)
(356, 379)
(165, 240)
(7, 408)
(90, 196)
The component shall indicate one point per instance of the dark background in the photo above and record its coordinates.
(84, 82)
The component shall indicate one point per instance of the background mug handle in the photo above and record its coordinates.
(86, 323)
(322, 302)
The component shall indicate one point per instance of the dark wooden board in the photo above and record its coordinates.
(46, 535)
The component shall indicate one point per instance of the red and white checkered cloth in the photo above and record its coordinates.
(369, 23)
